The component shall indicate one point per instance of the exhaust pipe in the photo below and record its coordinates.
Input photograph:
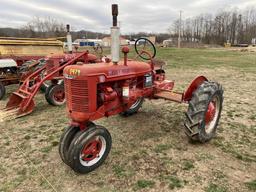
(115, 36)
(69, 39)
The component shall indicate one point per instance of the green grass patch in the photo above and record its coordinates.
(228, 148)
(46, 149)
(174, 182)
(187, 165)
(215, 188)
(251, 185)
(162, 147)
(141, 184)
(119, 171)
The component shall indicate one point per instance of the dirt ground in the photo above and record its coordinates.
(150, 151)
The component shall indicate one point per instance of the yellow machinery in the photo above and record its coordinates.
(30, 46)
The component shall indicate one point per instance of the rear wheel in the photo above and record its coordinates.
(2, 90)
(55, 95)
(204, 112)
(47, 84)
(134, 108)
(89, 149)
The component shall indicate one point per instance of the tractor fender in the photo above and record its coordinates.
(193, 86)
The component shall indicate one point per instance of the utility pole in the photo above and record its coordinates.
(179, 39)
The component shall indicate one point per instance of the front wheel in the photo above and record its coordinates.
(204, 112)
(67, 137)
(89, 149)
(55, 95)
(2, 91)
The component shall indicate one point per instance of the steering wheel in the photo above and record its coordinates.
(98, 49)
(145, 48)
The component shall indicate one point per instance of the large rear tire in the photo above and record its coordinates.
(55, 95)
(134, 108)
(89, 149)
(204, 112)
(2, 90)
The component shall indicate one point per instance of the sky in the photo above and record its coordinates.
(95, 15)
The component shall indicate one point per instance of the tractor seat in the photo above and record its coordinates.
(158, 63)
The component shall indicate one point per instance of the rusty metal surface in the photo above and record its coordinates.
(172, 96)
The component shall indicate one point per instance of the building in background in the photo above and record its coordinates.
(168, 43)
(88, 42)
(152, 39)
(254, 42)
(107, 41)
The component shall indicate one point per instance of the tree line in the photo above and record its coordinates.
(233, 26)
(47, 28)
(227, 26)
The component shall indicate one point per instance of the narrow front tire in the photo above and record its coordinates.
(89, 149)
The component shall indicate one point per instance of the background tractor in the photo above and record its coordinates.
(19, 56)
(119, 87)
(47, 76)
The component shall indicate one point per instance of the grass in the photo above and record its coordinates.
(119, 171)
(210, 58)
(141, 184)
(251, 185)
(187, 165)
(215, 188)
(162, 147)
(174, 182)
(150, 150)
(229, 148)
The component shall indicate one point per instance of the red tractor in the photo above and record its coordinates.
(48, 73)
(120, 87)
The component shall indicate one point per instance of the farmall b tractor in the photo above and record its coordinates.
(119, 87)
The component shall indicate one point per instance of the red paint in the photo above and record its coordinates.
(98, 90)
(23, 97)
(193, 86)
(125, 50)
(59, 96)
(210, 113)
(91, 150)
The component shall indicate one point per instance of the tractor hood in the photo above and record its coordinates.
(108, 70)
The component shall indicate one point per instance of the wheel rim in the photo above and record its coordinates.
(212, 114)
(93, 151)
(59, 96)
(137, 102)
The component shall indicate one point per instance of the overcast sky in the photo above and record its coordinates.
(95, 15)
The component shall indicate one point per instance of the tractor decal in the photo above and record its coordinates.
(75, 72)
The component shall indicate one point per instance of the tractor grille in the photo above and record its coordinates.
(77, 95)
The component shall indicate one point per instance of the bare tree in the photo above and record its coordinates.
(44, 27)
(234, 26)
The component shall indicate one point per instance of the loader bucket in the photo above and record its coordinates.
(20, 105)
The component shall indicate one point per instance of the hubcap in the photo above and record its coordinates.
(59, 96)
(212, 114)
(93, 151)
